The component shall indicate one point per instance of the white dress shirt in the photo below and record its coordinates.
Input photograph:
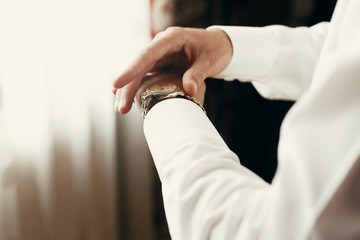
(315, 193)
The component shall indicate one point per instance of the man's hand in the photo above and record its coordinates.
(195, 53)
(173, 75)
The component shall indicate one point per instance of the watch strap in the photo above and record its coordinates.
(150, 99)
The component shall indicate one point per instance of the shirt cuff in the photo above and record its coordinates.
(172, 123)
(254, 52)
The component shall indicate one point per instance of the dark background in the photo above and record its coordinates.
(248, 123)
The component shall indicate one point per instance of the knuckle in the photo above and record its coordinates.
(133, 71)
(173, 31)
(207, 63)
(144, 51)
(159, 35)
(146, 54)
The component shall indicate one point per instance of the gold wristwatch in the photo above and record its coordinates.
(159, 92)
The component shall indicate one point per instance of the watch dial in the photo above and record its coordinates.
(163, 88)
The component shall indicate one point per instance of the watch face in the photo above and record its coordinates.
(163, 88)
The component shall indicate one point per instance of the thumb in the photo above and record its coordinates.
(193, 78)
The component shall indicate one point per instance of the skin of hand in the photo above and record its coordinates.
(195, 54)
(173, 75)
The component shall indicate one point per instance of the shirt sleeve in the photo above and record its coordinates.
(278, 60)
(207, 193)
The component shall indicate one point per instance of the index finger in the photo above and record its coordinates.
(166, 43)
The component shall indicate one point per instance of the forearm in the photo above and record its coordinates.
(207, 193)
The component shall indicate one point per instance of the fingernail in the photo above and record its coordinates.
(116, 104)
(121, 104)
(117, 100)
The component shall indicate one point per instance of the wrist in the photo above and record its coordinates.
(160, 92)
(224, 39)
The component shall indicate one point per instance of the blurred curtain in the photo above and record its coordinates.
(58, 177)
